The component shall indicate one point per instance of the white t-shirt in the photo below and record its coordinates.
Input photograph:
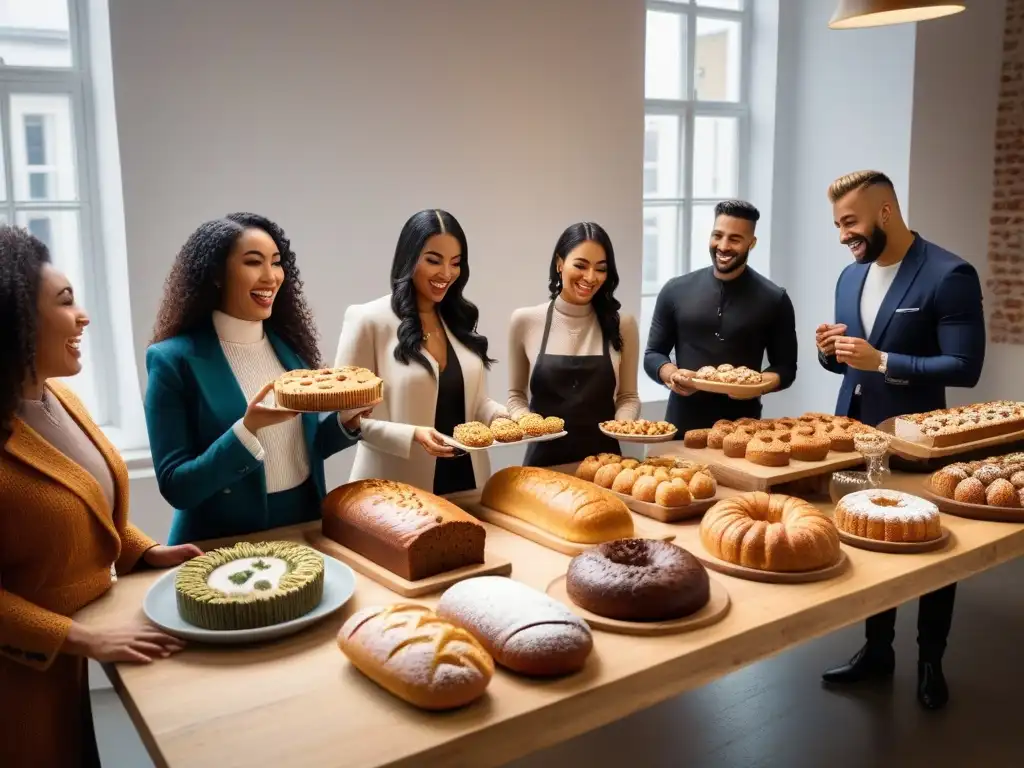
(876, 285)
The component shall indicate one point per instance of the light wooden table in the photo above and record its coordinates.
(298, 702)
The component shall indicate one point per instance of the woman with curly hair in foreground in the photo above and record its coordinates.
(63, 521)
(232, 320)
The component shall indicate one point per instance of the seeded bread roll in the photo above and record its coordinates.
(411, 652)
(523, 629)
(558, 503)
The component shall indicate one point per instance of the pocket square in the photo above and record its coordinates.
(903, 310)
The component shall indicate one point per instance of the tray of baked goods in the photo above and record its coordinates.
(665, 488)
(756, 454)
(950, 431)
(554, 509)
(991, 489)
(770, 537)
(409, 540)
(739, 381)
(638, 430)
(531, 428)
(348, 390)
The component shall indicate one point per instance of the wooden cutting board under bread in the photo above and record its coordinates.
(744, 475)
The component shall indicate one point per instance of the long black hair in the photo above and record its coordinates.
(605, 305)
(191, 293)
(22, 258)
(459, 314)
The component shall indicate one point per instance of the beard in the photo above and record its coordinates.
(739, 260)
(874, 245)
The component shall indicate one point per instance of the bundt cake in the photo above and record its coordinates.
(770, 532)
(886, 515)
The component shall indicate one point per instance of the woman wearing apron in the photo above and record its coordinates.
(576, 354)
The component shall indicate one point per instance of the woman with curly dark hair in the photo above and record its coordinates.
(576, 352)
(232, 320)
(63, 521)
(422, 340)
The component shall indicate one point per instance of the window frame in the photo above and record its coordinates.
(76, 83)
(687, 110)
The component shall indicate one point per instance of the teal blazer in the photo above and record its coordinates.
(216, 486)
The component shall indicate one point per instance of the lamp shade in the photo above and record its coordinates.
(855, 14)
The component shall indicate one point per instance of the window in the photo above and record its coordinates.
(46, 178)
(695, 134)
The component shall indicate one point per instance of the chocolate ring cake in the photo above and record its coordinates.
(638, 580)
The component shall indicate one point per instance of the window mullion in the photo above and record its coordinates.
(6, 129)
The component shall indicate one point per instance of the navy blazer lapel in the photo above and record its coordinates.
(291, 361)
(908, 270)
(216, 379)
(850, 298)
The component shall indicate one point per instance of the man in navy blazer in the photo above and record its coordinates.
(908, 324)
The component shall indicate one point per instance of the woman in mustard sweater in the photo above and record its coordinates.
(63, 523)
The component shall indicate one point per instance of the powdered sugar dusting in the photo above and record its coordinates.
(496, 609)
(895, 506)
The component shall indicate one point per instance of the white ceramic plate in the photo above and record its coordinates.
(161, 607)
(639, 438)
(496, 444)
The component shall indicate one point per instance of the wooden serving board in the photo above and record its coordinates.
(895, 547)
(539, 535)
(772, 577)
(744, 475)
(749, 391)
(973, 511)
(713, 612)
(920, 451)
(642, 439)
(492, 566)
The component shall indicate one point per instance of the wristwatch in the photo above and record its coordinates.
(883, 364)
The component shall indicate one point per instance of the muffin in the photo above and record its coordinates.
(1001, 493)
(1017, 479)
(474, 434)
(808, 445)
(944, 482)
(735, 445)
(506, 431)
(553, 425)
(532, 424)
(702, 486)
(970, 491)
(716, 437)
(768, 450)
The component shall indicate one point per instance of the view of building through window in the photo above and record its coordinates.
(43, 93)
(695, 124)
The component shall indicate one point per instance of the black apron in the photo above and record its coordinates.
(453, 474)
(581, 391)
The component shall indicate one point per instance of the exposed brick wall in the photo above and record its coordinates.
(1006, 226)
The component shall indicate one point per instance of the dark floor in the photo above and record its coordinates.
(775, 714)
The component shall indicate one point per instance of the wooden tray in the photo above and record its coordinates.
(345, 415)
(895, 547)
(695, 508)
(643, 439)
(540, 536)
(739, 390)
(747, 476)
(973, 511)
(919, 451)
(492, 566)
(772, 577)
(713, 612)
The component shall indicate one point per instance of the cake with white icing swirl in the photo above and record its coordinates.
(246, 586)
(887, 515)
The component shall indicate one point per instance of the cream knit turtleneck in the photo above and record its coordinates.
(574, 331)
(282, 447)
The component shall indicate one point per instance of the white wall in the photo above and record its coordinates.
(956, 94)
(844, 103)
(341, 119)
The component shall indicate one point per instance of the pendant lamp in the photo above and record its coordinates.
(855, 14)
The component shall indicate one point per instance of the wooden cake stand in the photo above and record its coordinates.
(895, 547)
(773, 577)
(973, 511)
(712, 612)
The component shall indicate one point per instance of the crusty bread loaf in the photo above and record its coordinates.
(560, 504)
(523, 629)
(409, 650)
(410, 532)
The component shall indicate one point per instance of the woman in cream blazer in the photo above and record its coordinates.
(422, 341)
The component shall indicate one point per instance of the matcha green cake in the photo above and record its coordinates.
(247, 586)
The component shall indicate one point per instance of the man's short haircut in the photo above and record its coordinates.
(844, 185)
(739, 209)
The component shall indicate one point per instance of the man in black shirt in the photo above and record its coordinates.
(725, 313)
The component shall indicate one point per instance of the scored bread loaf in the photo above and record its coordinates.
(410, 532)
(560, 504)
(524, 630)
(410, 651)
